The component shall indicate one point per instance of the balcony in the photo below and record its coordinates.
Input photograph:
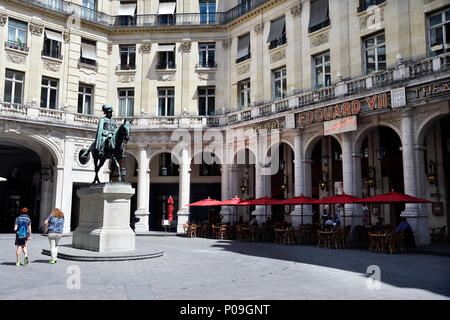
(246, 57)
(16, 46)
(126, 67)
(277, 43)
(166, 66)
(55, 54)
(206, 65)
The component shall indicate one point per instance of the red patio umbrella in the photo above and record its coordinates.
(339, 199)
(170, 208)
(232, 202)
(301, 199)
(393, 197)
(205, 203)
(264, 201)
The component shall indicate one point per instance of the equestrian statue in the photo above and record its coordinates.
(109, 143)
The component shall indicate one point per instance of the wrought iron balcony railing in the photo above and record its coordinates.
(166, 65)
(56, 54)
(16, 45)
(206, 65)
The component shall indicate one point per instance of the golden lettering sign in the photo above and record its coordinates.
(432, 89)
(270, 125)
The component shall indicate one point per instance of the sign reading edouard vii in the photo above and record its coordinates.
(342, 110)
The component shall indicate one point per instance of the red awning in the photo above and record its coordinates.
(339, 198)
(232, 202)
(205, 203)
(301, 199)
(394, 197)
(264, 201)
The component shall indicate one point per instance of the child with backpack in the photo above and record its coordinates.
(22, 227)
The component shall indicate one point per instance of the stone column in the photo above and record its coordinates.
(299, 179)
(259, 192)
(225, 192)
(417, 218)
(351, 217)
(46, 195)
(143, 191)
(184, 189)
(307, 209)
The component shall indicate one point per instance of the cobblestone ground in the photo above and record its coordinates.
(221, 269)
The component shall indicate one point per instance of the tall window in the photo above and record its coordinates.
(439, 32)
(166, 11)
(14, 86)
(207, 11)
(54, 4)
(49, 93)
(166, 166)
(127, 57)
(318, 15)
(244, 93)
(126, 102)
(375, 53)
(245, 6)
(166, 102)
(52, 44)
(243, 48)
(89, 9)
(17, 32)
(206, 101)
(88, 52)
(277, 35)
(126, 14)
(279, 83)
(166, 56)
(85, 97)
(207, 53)
(322, 72)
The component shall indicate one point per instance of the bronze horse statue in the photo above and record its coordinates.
(120, 137)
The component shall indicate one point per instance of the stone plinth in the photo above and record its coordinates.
(104, 224)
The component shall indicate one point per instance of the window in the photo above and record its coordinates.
(85, 95)
(243, 48)
(49, 93)
(277, 35)
(127, 57)
(14, 81)
(206, 101)
(166, 56)
(166, 166)
(52, 44)
(439, 33)
(54, 4)
(245, 6)
(318, 16)
(126, 102)
(207, 11)
(166, 11)
(244, 93)
(17, 34)
(89, 9)
(279, 84)
(322, 73)
(88, 52)
(374, 53)
(207, 53)
(364, 4)
(126, 14)
(166, 101)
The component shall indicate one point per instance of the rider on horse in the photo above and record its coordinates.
(105, 131)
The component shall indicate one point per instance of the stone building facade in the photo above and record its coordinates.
(355, 94)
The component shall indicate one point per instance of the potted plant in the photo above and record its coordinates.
(127, 67)
(19, 42)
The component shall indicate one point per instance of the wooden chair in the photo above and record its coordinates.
(389, 244)
(289, 236)
(254, 233)
(223, 232)
(400, 242)
(185, 229)
(279, 234)
(192, 231)
(323, 238)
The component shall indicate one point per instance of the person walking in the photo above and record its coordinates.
(55, 225)
(22, 227)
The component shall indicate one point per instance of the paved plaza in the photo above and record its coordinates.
(207, 269)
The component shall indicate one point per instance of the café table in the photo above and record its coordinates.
(325, 237)
(377, 241)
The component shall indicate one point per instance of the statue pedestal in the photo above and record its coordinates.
(104, 224)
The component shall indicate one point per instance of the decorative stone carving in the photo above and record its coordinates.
(296, 10)
(52, 66)
(166, 76)
(109, 47)
(243, 69)
(320, 39)
(259, 27)
(3, 17)
(87, 75)
(186, 45)
(226, 43)
(125, 78)
(372, 20)
(146, 47)
(206, 76)
(36, 28)
(66, 36)
(277, 56)
(17, 58)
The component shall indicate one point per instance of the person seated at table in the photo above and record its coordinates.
(329, 224)
(379, 227)
(253, 222)
(324, 217)
(405, 227)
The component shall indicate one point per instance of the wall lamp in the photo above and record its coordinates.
(431, 172)
(323, 183)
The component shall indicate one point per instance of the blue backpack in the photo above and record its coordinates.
(22, 230)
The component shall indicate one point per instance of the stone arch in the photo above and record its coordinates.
(311, 143)
(363, 130)
(427, 122)
(249, 148)
(154, 153)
